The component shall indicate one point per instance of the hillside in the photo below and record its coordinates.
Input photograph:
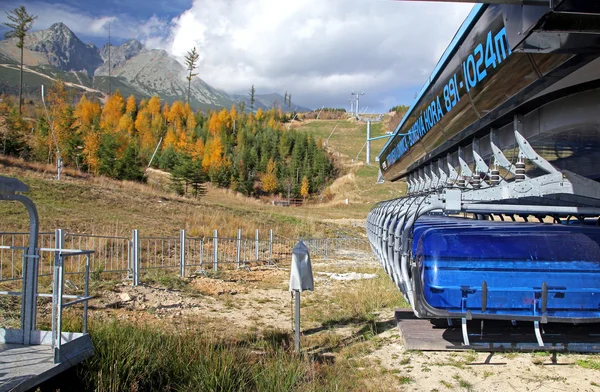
(101, 205)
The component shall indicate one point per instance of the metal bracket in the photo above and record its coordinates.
(465, 170)
(452, 173)
(526, 151)
(443, 175)
(428, 184)
(465, 333)
(480, 166)
(435, 179)
(499, 157)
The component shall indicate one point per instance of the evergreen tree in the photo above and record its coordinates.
(12, 135)
(251, 93)
(107, 154)
(191, 61)
(130, 166)
(19, 24)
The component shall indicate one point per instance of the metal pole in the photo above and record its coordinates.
(270, 244)
(256, 244)
(155, 150)
(30, 268)
(297, 320)
(58, 244)
(239, 248)
(182, 252)
(202, 254)
(216, 250)
(135, 257)
(57, 295)
(368, 142)
(86, 293)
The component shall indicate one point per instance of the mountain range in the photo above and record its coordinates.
(57, 53)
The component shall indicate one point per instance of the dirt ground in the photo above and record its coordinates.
(256, 300)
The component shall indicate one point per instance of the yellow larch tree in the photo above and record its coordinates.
(260, 115)
(269, 179)
(213, 154)
(154, 106)
(143, 125)
(224, 120)
(112, 112)
(131, 106)
(214, 126)
(86, 112)
(91, 145)
(304, 187)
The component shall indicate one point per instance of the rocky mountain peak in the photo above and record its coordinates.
(63, 49)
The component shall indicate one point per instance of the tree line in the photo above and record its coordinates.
(248, 152)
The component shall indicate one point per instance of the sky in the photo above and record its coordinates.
(317, 50)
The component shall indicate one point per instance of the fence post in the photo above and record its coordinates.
(182, 252)
(326, 248)
(270, 244)
(202, 254)
(135, 257)
(216, 250)
(239, 248)
(58, 245)
(257, 245)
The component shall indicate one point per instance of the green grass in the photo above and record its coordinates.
(130, 357)
(588, 363)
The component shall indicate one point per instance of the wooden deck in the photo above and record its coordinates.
(425, 335)
(24, 367)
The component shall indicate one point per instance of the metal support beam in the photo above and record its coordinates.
(8, 189)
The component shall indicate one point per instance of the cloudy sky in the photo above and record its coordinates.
(318, 50)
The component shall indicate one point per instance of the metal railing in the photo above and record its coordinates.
(138, 254)
(58, 289)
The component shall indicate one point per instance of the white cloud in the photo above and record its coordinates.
(318, 50)
(91, 25)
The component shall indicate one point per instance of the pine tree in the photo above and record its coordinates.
(191, 61)
(19, 24)
(252, 91)
(130, 166)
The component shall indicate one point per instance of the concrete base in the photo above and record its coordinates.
(427, 335)
(24, 367)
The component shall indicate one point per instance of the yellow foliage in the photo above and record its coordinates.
(260, 115)
(233, 113)
(190, 122)
(91, 144)
(269, 179)
(224, 120)
(131, 105)
(58, 107)
(86, 112)
(213, 154)
(182, 143)
(126, 124)
(214, 126)
(198, 149)
(170, 139)
(304, 187)
(154, 106)
(143, 125)
(112, 112)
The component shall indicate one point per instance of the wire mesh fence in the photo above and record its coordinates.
(182, 254)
